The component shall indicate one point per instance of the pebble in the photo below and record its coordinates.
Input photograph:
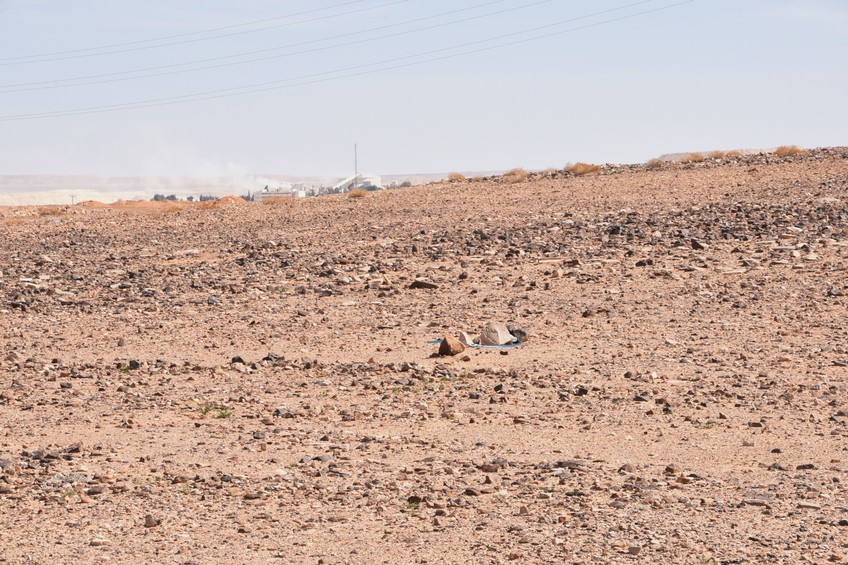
(151, 522)
(420, 284)
(99, 542)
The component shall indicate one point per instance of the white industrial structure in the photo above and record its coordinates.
(358, 181)
(286, 190)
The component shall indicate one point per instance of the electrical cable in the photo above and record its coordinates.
(49, 85)
(36, 5)
(81, 53)
(351, 71)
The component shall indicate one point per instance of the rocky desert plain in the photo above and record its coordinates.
(237, 382)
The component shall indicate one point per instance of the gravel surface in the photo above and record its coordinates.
(245, 383)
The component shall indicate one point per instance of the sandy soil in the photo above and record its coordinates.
(252, 383)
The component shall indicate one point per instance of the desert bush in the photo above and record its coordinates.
(716, 155)
(276, 201)
(734, 153)
(357, 193)
(516, 175)
(579, 169)
(456, 177)
(693, 158)
(51, 211)
(654, 164)
(786, 150)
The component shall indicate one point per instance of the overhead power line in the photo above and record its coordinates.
(127, 46)
(349, 72)
(36, 5)
(105, 77)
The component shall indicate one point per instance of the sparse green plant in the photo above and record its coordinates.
(411, 508)
(580, 169)
(220, 409)
(224, 413)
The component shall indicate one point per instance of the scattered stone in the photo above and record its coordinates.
(151, 522)
(466, 339)
(99, 542)
(519, 334)
(495, 333)
(420, 284)
(450, 346)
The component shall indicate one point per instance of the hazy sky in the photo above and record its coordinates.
(704, 74)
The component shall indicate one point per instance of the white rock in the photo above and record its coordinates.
(465, 339)
(495, 333)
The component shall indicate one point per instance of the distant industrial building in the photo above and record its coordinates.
(358, 181)
(287, 190)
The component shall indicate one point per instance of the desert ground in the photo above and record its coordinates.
(246, 383)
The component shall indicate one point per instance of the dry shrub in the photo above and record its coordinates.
(693, 158)
(456, 177)
(516, 175)
(357, 193)
(276, 201)
(716, 155)
(654, 164)
(731, 154)
(579, 169)
(230, 200)
(51, 211)
(478, 179)
(786, 150)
